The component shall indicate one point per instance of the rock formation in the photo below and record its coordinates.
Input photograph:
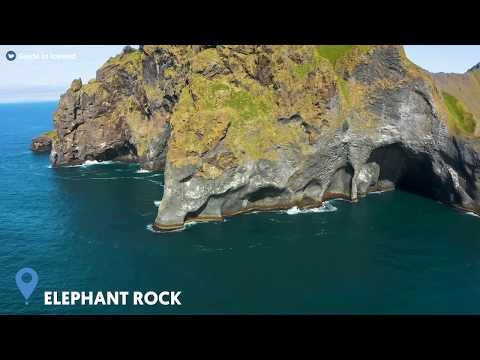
(242, 128)
(43, 143)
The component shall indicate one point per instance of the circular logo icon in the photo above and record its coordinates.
(11, 55)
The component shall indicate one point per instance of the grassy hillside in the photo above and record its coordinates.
(465, 89)
(463, 119)
(333, 53)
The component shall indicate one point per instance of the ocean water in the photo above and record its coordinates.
(85, 228)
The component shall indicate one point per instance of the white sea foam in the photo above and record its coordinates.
(340, 199)
(472, 214)
(157, 203)
(153, 181)
(151, 229)
(95, 162)
(107, 178)
(185, 226)
(293, 211)
(189, 224)
(326, 207)
(143, 171)
(91, 162)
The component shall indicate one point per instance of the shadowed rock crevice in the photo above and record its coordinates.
(467, 165)
(341, 183)
(192, 215)
(403, 169)
(125, 152)
(313, 191)
(264, 193)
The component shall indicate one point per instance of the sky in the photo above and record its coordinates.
(444, 58)
(44, 72)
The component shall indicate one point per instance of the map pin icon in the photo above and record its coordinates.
(26, 287)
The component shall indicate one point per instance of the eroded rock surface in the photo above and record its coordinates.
(43, 143)
(241, 128)
(122, 115)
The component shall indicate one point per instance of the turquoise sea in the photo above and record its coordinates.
(85, 228)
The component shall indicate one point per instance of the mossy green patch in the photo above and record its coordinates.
(242, 114)
(153, 92)
(344, 89)
(217, 94)
(219, 86)
(95, 88)
(463, 119)
(302, 70)
(343, 58)
(205, 59)
(131, 62)
(52, 134)
(333, 52)
(248, 106)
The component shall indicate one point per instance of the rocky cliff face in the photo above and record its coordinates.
(242, 128)
(124, 114)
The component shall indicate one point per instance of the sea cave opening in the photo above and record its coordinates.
(126, 151)
(264, 193)
(409, 171)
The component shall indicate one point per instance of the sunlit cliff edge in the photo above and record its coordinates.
(242, 128)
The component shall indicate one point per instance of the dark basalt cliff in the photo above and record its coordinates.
(242, 128)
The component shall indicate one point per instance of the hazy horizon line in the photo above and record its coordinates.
(28, 101)
(31, 94)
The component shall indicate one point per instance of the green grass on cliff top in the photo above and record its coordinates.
(462, 117)
(333, 52)
(51, 133)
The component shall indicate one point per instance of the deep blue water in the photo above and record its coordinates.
(85, 228)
